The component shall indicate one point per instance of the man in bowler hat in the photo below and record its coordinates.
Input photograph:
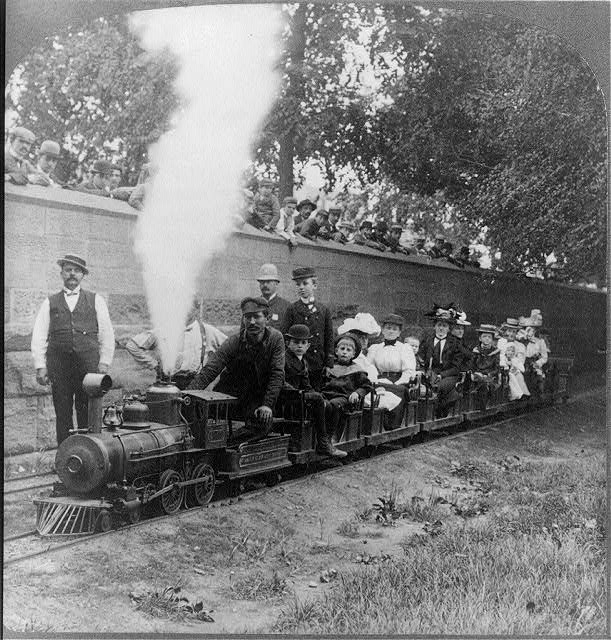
(251, 366)
(269, 280)
(99, 185)
(48, 156)
(17, 165)
(72, 336)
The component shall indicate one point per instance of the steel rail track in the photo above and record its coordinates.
(432, 438)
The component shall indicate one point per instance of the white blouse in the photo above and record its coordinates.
(398, 358)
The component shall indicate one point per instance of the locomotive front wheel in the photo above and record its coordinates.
(103, 522)
(172, 500)
(200, 494)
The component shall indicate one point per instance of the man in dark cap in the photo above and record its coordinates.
(72, 336)
(305, 208)
(393, 240)
(99, 185)
(251, 366)
(17, 165)
(329, 229)
(48, 156)
(364, 236)
(309, 228)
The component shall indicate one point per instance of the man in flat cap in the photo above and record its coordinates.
(48, 156)
(251, 366)
(72, 336)
(309, 228)
(17, 165)
(269, 280)
(329, 228)
(266, 206)
(99, 185)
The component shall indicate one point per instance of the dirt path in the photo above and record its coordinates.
(247, 561)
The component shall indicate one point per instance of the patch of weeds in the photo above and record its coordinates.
(319, 548)
(469, 505)
(349, 529)
(254, 549)
(362, 515)
(300, 615)
(30, 626)
(465, 470)
(387, 506)
(169, 604)
(420, 509)
(259, 586)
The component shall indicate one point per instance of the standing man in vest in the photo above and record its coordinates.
(269, 280)
(72, 336)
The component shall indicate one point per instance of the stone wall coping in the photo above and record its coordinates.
(76, 200)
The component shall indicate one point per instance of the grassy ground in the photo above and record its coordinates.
(519, 549)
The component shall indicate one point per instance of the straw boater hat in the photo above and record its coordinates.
(487, 328)
(511, 323)
(75, 260)
(362, 322)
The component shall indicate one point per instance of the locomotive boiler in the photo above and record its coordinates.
(165, 449)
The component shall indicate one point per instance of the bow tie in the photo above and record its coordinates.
(390, 343)
(71, 293)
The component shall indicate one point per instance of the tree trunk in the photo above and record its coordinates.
(295, 94)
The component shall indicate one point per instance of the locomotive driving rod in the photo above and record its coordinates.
(95, 386)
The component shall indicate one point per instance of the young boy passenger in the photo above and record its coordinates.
(307, 310)
(296, 377)
(347, 383)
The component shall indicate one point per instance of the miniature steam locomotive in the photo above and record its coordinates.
(170, 448)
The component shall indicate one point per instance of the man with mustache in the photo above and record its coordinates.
(251, 366)
(72, 336)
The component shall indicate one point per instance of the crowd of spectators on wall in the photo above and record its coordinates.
(292, 219)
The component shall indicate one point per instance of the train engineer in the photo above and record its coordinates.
(317, 317)
(251, 366)
(72, 336)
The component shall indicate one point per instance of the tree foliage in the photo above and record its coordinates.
(510, 124)
(96, 90)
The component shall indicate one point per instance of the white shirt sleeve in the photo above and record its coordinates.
(408, 364)
(40, 336)
(106, 334)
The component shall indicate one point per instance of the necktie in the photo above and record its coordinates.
(437, 349)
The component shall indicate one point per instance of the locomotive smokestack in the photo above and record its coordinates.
(95, 386)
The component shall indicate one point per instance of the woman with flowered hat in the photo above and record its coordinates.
(512, 357)
(536, 351)
(458, 332)
(440, 358)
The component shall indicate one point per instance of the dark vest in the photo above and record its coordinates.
(73, 332)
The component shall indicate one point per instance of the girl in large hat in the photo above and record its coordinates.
(512, 355)
(485, 364)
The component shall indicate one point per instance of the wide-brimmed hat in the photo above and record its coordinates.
(440, 313)
(354, 338)
(363, 323)
(366, 223)
(75, 260)
(254, 305)
(511, 323)
(103, 167)
(461, 319)
(24, 134)
(487, 328)
(335, 210)
(306, 202)
(268, 271)
(322, 213)
(298, 332)
(303, 272)
(393, 318)
(49, 148)
(525, 322)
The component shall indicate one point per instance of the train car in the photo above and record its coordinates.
(169, 449)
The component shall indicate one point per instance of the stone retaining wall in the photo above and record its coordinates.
(43, 224)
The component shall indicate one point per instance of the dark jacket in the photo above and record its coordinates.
(318, 320)
(466, 354)
(342, 386)
(254, 373)
(296, 373)
(266, 208)
(486, 361)
(277, 309)
(451, 357)
(308, 229)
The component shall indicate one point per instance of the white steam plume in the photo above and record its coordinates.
(227, 82)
